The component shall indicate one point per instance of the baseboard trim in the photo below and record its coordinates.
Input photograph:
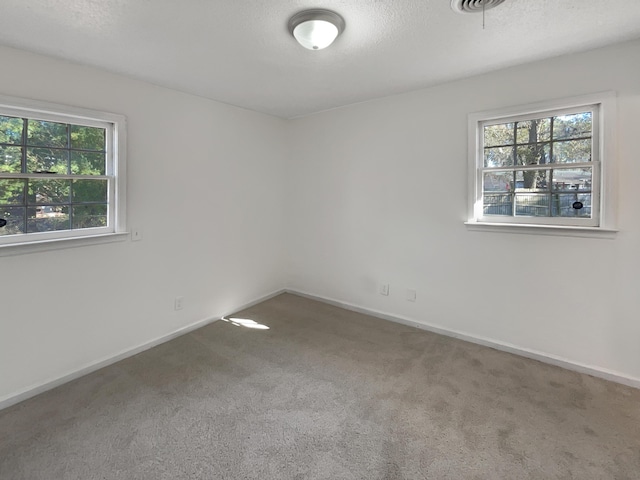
(41, 388)
(487, 342)
(502, 346)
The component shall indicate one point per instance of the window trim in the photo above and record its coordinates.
(604, 152)
(115, 145)
(594, 165)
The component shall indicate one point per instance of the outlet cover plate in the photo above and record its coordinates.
(178, 303)
(411, 295)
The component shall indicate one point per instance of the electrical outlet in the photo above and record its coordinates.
(384, 289)
(411, 295)
(178, 303)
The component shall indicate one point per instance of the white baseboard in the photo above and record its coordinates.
(487, 342)
(92, 367)
(524, 352)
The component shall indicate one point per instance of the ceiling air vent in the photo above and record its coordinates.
(473, 6)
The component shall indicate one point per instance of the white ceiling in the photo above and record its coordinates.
(240, 52)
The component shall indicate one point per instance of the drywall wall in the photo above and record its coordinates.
(205, 189)
(378, 195)
(358, 203)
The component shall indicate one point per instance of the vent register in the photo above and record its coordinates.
(474, 6)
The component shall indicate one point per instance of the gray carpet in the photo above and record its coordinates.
(324, 394)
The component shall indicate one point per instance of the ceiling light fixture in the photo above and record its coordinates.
(316, 29)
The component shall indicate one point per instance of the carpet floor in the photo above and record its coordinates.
(324, 393)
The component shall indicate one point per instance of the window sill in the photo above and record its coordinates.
(531, 229)
(60, 243)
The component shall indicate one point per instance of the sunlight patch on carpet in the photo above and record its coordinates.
(245, 322)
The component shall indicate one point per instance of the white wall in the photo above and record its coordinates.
(358, 203)
(205, 186)
(366, 190)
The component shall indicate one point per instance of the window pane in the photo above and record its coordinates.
(42, 192)
(15, 220)
(498, 135)
(571, 179)
(537, 154)
(43, 160)
(533, 131)
(498, 204)
(47, 218)
(572, 126)
(10, 159)
(12, 191)
(571, 205)
(11, 129)
(498, 182)
(88, 163)
(87, 138)
(532, 205)
(532, 180)
(573, 151)
(84, 191)
(498, 157)
(89, 216)
(46, 134)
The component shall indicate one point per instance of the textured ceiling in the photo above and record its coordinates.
(240, 52)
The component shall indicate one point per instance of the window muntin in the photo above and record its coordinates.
(61, 174)
(539, 168)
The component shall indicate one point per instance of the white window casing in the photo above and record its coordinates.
(114, 126)
(601, 186)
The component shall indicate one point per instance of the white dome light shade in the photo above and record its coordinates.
(316, 29)
(315, 34)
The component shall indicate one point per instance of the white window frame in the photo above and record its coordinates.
(115, 172)
(603, 106)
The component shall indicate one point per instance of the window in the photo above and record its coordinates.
(61, 172)
(542, 165)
